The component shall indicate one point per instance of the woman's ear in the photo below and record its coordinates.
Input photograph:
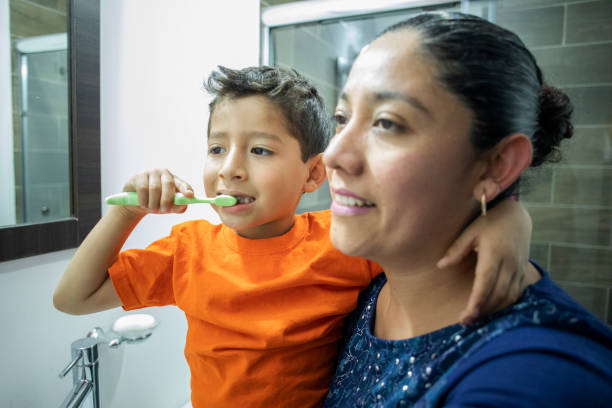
(316, 173)
(505, 164)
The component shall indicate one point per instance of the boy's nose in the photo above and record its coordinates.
(233, 168)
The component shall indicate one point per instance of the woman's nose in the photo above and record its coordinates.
(344, 151)
(233, 168)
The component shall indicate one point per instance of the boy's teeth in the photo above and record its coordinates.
(352, 201)
(244, 199)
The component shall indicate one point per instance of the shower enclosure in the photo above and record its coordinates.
(570, 202)
(42, 160)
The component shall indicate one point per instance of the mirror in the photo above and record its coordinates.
(54, 199)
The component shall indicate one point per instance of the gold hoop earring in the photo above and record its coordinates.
(483, 204)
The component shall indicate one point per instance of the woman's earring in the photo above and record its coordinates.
(483, 204)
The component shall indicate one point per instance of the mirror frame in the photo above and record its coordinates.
(24, 240)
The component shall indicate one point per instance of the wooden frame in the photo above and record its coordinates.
(32, 239)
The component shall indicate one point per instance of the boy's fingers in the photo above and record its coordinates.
(155, 190)
(167, 191)
(141, 184)
(500, 296)
(458, 250)
(183, 187)
(484, 282)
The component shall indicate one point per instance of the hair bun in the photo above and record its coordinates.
(554, 125)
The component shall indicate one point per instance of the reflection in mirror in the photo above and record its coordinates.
(38, 184)
(49, 124)
(44, 163)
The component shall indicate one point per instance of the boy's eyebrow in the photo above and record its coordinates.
(266, 135)
(220, 135)
(386, 95)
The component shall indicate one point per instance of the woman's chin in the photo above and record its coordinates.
(346, 242)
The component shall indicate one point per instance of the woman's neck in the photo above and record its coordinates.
(422, 298)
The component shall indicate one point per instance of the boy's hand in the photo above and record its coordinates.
(156, 189)
(501, 239)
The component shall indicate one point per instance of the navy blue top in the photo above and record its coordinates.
(544, 351)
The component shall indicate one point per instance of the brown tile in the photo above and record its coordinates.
(583, 186)
(536, 185)
(571, 225)
(28, 19)
(528, 24)
(567, 65)
(593, 298)
(584, 265)
(591, 104)
(539, 253)
(589, 22)
(590, 146)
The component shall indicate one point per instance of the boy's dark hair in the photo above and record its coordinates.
(298, 100)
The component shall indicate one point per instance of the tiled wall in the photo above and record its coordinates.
(49, 128)
(571, 201)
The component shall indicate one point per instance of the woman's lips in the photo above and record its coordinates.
(339, 209)
(345, 202)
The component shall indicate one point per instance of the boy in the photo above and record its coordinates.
(265, 293)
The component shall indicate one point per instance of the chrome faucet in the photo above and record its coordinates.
(85, 352)
(84, 367)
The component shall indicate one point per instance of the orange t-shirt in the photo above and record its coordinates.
(264, 317)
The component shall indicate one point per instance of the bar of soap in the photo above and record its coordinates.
(134, 324)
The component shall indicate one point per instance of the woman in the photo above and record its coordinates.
(439, 116)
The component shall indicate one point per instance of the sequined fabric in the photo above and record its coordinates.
(381, 373)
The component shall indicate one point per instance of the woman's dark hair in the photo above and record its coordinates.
(297, 99)
(494, 74)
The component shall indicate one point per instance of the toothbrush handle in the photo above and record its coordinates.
(131, 198)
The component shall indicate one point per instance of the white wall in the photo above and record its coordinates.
(7, 175)
(154, 56)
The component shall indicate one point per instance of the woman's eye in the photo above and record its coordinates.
(261, 151)
(388, 125)
(216, 150)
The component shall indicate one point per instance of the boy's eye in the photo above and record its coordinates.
(216, 150)
(261, 151)
(340, 119)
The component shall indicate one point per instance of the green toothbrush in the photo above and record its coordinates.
(131, 198)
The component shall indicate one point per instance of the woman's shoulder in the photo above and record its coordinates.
(550, 349)
(532, 366)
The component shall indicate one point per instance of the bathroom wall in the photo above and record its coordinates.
(571, 201)
(154, 56)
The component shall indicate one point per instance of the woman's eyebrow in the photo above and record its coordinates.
(386, 95)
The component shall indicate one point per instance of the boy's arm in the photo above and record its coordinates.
(501, 239)
(85, 287)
